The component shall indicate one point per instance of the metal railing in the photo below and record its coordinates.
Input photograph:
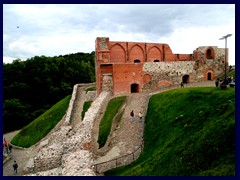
(120, 161)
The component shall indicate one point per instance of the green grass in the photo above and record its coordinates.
(200, 143)
(86, 106)
(40, 127)
(106, 122)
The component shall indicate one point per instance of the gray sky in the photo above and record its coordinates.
(53, 29)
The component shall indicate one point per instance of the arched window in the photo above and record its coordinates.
(156, 60)
(136, 61)
(210, 53)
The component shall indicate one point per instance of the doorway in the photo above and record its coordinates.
(209, 76)
(185, 79)
(134, 88)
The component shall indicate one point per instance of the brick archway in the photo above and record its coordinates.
(209, 75)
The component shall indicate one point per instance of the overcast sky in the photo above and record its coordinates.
(52, 30)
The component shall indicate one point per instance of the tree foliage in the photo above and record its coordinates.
(31, 87)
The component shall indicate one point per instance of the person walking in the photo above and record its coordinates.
(10, 148)
(131, 116)
(217, 82)
(15, 167)
(182, 85)
(140, 116)
(5, 146)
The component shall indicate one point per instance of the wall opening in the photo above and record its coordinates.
(134, 88)
(210, 53)
(136, 61)
(185, 79)
(156, 60)
(209, 76)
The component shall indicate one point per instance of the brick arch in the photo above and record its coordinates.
(136, 52)
(169, 56)
(154, 53)
(210, 53)
(117, 53)
(209, 74)
(147, 78)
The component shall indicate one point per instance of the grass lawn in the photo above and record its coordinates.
(86, 106)
(106, 122)
(40, 127)
(188, 132)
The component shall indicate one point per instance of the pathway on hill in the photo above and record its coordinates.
(128, 137)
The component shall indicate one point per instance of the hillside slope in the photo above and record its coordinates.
(189, 132)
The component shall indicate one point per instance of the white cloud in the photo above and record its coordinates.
(52, 30)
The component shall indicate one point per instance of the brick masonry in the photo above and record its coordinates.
(139, 66)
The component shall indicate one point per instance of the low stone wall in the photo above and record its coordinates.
(70, 106)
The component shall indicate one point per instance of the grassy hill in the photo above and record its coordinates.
(40, 127)
(188, 132)
(107, 120)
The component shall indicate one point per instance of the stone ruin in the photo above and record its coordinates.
(67, 151)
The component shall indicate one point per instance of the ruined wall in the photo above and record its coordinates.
(153, 65)
(67, 151)
(167, 73)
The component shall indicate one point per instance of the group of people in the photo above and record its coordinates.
(132, 116)
(8, 149)
(224, 82)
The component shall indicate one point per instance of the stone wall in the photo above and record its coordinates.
(70, 106)
(67, 151)
(107, 84)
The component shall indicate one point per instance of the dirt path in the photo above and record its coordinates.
(128, 137)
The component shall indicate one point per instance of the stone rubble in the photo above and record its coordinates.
(68, 151)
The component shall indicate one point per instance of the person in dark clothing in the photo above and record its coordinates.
(15, 167)
(131, 116)
(217, 82)
(182, 85)
(10, 148)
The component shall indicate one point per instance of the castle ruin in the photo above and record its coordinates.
(132, 67)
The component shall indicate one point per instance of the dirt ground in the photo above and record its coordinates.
(21, 156)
